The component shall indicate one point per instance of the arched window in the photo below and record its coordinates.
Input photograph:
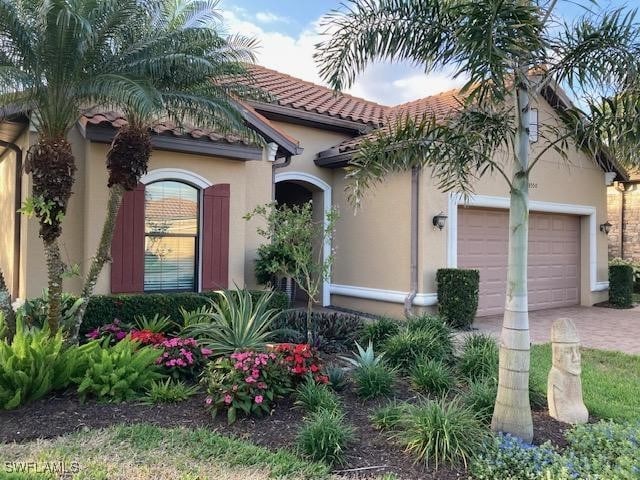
(171, 236)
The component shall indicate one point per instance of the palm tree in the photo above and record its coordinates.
(195, 74)
(508, 50)
(55, 59)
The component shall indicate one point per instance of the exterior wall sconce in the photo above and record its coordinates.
(439, 220)
(606, 227)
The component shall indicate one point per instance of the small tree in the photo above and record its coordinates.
(301, 240)
(510, 51)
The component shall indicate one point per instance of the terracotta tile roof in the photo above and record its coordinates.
(439, 105)
(117, 120)
(299, 94)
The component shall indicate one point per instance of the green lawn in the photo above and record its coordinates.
(144, 452)
(610, 381)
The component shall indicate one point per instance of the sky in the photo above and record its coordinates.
(289, 29)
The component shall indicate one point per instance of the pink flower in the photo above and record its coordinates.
(208, 400)
(234, 388)
(262, 385)
(206, 351)
(228, 399)
(258, 399)
(250, 380)
(255, 373)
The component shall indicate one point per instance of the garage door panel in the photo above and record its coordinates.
(554, 257)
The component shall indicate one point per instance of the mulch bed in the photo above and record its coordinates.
(63, 414)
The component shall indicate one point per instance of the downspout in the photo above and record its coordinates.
(17, 231)
(415, 191)
(274, 167)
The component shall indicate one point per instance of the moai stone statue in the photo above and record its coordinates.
(564, 387)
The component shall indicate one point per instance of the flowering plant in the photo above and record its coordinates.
(183, 357)
(147, 337)
(302, 360)
(246, 381)
(113, 332)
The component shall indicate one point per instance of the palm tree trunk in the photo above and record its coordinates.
(512, 413)
(55, 271)
(7, 309)
(103, 255)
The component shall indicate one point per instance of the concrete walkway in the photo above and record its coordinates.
(602, 328)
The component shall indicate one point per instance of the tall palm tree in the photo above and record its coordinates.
(196, 75)
(508, 50)
(55, 59)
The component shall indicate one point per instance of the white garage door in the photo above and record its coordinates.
(554, 257)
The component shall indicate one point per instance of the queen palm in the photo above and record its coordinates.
(196, 75)
(53, 62)
(508, 51)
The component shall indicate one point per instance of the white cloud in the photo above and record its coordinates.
(268, 17)
(382, 83)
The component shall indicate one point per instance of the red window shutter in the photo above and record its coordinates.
(127, 246)
(215, 237)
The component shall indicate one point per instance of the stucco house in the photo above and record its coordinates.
(624, 216)
(182, 229)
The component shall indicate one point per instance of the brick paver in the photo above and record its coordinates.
(602, 328)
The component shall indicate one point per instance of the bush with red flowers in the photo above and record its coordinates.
(183, 357)
(301, 360)
(248, 382)
(147, 337)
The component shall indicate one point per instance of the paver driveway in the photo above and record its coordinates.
(602, 328)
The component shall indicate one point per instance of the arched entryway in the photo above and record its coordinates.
(296, 188)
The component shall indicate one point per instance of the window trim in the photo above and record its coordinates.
(195, 180)
(197, 281)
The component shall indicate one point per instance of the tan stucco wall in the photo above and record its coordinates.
(373, 247)
(7, 207)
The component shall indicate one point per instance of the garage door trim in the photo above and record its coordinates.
(488, 201)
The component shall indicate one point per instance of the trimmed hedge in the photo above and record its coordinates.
(458, 296)
(102, 309)
(621, 286)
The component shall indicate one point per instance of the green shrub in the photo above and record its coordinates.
(390, 416)
(121, 372)
(312, 397)
(169, 391)
(35, 363)
(509, 458)
(621, 286)
(337, 378)
(432, 376)
(333, 332)
(443, 432)
(364, 358)
(379, 330)
(156, 324)
(479, 358)
(35, 310)
(103, 309)
(458, 295)
(481, 398)
(236, 323)
(324, 435)
(374, 381)
(405, 348)
(603, 450)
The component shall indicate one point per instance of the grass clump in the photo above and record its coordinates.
(481, 398)
(443, 432)
(390, 416)
(405, 348)
(324, 435)
(169, 391)
(432, 376)
(312, 397)
(479, 357)
(374, 380)
(379, 330)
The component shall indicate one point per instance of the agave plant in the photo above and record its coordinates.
(236, 322)
(194, 317)
(364, 358)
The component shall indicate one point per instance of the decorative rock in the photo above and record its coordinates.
(564, 386)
